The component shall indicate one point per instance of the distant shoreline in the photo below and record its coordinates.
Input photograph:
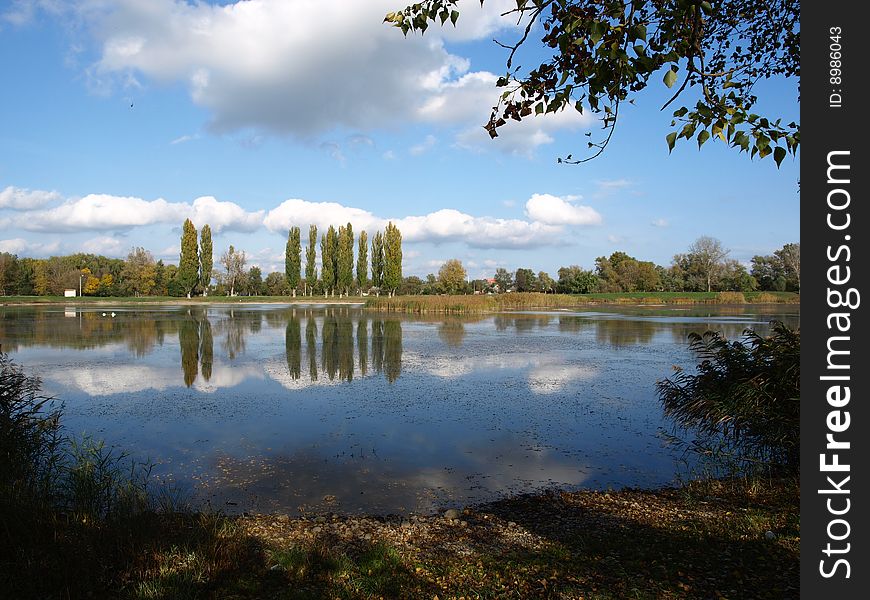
(435, 304)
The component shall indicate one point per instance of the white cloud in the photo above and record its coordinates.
(22, 246)
(443, 225)
(184, 138)
(24, 199)
(221, 216)
(107, 246)
(301, 213)
(424, 146)
(102, 212)
(287, 67)
(553, 210)
(660, 222)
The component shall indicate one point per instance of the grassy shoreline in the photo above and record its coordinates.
(437, 304)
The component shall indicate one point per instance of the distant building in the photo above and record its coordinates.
(69, 293)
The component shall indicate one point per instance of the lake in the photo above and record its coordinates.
(310, 409)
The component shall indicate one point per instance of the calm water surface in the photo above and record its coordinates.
(270, 408)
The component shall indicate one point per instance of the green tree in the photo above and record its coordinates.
(327, 259)
(276, 284)
(601, 54)
(344, 260)
(188, 264)
(139, 273)
(575, 280)
(234, 266)
(311, 260)
(452, 276)
(790, 258)
(362, 262)
(503, 279)
(255, 281)
(545, 282)
(293, 259)
(707, 253)
(378, 260)
(206, 259)
(525, 280)
(392, 258)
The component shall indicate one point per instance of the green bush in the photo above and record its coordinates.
(744, 401)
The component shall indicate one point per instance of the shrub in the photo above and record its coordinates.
(744, 401)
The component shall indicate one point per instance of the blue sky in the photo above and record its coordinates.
(121, 118)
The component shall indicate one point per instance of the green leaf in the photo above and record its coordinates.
(670, 77)
(703, 137)
(672, 139)
(779, 154)
(706, 7)
(454, 15)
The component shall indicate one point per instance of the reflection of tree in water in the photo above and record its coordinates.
(344, 343)
(378, 345)
(568, 324)
(140, 334)
(256, 321)
(329, 345)
(452, 332)
(311, 344)
(234, 340)
(625, 332)
(392, 350)
(293, 342)
(522, 323)
(188, 339)
(362, 344)
(206, 346)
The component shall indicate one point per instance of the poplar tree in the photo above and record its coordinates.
(293, 259)
(345, 259)
(310, 260)
(362, 262)
(188, 262)
(378, 260)
(392, 258)
(327, 258)
(206, 260)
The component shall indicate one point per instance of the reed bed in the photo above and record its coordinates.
(469, 304)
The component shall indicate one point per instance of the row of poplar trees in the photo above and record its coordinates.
(196, 262)
(337, 261)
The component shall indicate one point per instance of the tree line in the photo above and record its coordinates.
(141, 275)
(377, 268)
(704, 267)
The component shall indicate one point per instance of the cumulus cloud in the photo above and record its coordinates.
(104, 212)
(24, 199)
(660, 222)
(108, 246)
(553, 210)
(287, 68)
(224, 215)
(22, 246)
(443, 225)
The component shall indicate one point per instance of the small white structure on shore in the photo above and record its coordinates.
(69, 293)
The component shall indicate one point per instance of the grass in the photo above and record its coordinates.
(525, 301)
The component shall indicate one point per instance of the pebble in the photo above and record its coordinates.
(451, 514)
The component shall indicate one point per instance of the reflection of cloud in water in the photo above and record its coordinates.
(227, 376)
(550, 378)
(278, 371)
(107, 380)
(545, 376)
